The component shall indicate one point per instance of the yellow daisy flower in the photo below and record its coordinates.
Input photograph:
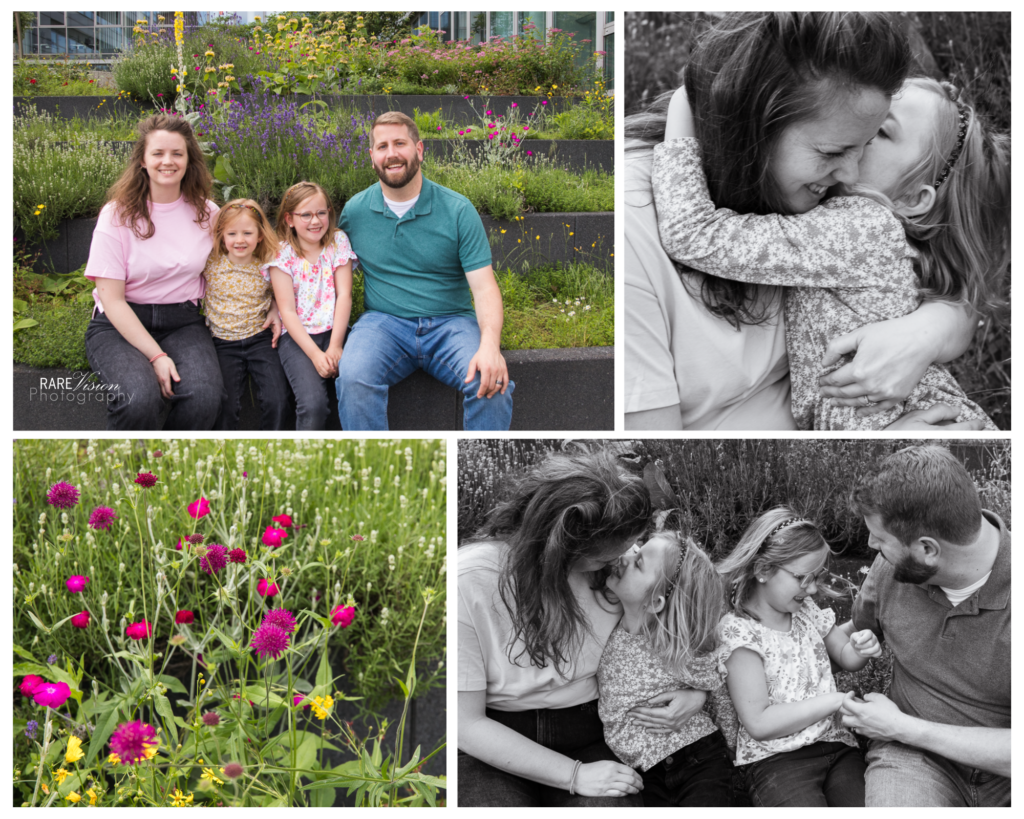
(60, 775)
(209, 775)
(73, 797)
(75, 751)
(179, 800)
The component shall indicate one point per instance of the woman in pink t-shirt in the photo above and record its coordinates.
(147, 340)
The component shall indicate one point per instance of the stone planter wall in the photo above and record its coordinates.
(565, 389)
(592, 241)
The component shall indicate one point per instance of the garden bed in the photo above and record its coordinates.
(561, 389)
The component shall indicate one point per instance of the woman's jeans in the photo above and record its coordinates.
(698, 775)
(576, 732)
(383, 349)
(255, 356)
(136, 402)
(822, 774)
(309, 386)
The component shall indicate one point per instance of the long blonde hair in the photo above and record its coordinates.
(266, 249)
(776, 537)
(685, 626)
(964, 239)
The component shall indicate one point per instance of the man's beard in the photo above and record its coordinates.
(908, 569)
(411, 169)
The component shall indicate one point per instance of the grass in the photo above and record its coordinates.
(971, 49)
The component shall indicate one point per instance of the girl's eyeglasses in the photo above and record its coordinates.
(827, 582)
(819, 577)
(308, 216)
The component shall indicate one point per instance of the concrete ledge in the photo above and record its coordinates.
(455, 109)
(561, 389)
(592, 241)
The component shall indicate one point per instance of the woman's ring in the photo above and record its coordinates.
(867, 401)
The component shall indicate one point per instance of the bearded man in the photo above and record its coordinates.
(432, 302)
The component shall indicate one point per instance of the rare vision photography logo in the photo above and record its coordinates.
(78, 388)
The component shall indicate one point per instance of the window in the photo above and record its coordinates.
(583, 24)
(501, 24)
(536, 19)
(609, 62)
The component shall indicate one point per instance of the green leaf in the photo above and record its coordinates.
(323, 674)
(62, 622)
(163, 708)
(100, 736)
(36, 620)
(322, 798)
(20, 305)
(21, 652)
(173, 684)
(306, 755)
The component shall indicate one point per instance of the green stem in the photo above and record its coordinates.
(42, 759)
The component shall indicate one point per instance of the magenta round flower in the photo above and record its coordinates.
(52, 695)
(237, 556)
(102, 517)
(184, 616)
(269, 641)
(140, 630)
(284, 520)
(76, 583)
(199, 508)
(211, 718)
(62, 495)
(195, 539)
(273, 537)
(232, 770)
(343, 615)
(215, 559)
(147, 480)
(30, 684)
(265, 589)
(81, 620)
(282, 618)
(131, 740)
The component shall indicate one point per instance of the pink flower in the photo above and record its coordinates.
(543, 102)
(211, 718)
(270, 641)
(184, 616)
(30, 684)
(215, 559)
(529, 153)
(515, 104)
(140, 630)
(284, 520)
(76, 583)
(265, 589)
(343, 616)
(147, 480)
(81, 620)
(273, 537)
(132, 740)
(488, 113)
(102, 517)
(62, 495)
(282, 618)
(178, 547)
(299, 698)
(237, 556)
(52, 695)
(199, 508)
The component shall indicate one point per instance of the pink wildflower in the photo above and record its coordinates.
(273, 537)
(102, 517)
(147, 480)
(270, 641)
(184, 616)
(140, 630)
(343, 616)
(199, 508)
(30, 684)
(237, 556)
(282, 618)
(62, 495)
(284, 520)
(52, 695)
(265, 589)
(76, 583)
(215, 559)
(132, 740)
(81, 620)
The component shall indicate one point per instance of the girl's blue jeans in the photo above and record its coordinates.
(822, 774)
(576, 732)
(382, 350)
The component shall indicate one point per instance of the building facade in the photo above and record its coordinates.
(94, 34)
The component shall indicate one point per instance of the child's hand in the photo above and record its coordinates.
(324, 365)
(334, 353)
(865, 644)
(273, 320)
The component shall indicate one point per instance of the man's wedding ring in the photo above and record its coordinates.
(498, 382)
(867, 401)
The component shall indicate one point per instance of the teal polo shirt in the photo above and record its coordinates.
(415, 267)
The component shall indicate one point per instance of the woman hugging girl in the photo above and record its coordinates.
(671, 598)
(241, 315)
(312, 280)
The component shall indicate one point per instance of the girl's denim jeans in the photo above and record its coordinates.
(822, 774)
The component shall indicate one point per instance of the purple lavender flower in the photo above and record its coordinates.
(51, 659)
(30, 728)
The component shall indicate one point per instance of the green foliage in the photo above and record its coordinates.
(428, 123)
(54, 78)
(145, 71)
(58, 337)
(367, 530)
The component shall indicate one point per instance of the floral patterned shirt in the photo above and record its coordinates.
(313, 284)
(630, 674)
(237, 298)
(796, 668)
(846, 263)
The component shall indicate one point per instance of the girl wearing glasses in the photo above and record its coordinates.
(776, 646)
(242, 317)
(312, 279)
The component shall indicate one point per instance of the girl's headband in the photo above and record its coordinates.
(965, 119)
(674, 578)
(786, 523)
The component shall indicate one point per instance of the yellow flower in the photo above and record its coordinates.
(60, 775)
(229, 78)
(322, 705)
(92, 796)
(160, 18)
(210, 54)
(75, 751)
(151, 751)
(211, 776)
(179, 800)
(503, 230)
(40, 206)
(114, 759)
(73, 797)
(257, 19)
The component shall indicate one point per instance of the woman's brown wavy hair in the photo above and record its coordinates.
(750, 77)
(131, 191)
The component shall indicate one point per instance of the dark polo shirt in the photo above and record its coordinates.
(952, 665)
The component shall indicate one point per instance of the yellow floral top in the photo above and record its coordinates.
(237, 298)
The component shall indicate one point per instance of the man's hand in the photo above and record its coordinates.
(490, 363)
(876, 716)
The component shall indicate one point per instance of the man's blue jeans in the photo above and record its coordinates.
(381, 350)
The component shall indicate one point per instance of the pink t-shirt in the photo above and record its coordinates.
(164, 269)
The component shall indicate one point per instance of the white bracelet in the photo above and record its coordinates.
(572, 782)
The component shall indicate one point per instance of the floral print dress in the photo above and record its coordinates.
(796, 668)
(313, 284)
(846, 263)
